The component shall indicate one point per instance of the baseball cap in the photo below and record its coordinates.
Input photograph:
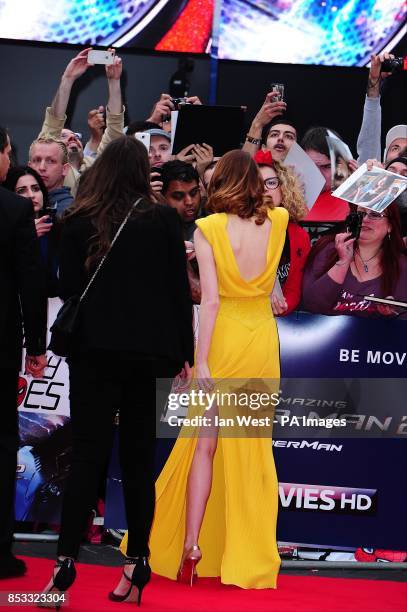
(397, 131)
(158, 132)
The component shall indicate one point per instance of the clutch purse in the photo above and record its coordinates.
(64, 329)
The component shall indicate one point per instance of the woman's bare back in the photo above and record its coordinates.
(249, 244)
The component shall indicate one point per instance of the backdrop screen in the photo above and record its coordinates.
(332, 32)
(171, 25)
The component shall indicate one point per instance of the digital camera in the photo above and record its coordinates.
(393, 65)
(177, 102)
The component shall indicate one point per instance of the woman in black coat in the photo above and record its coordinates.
(25, 181)
(135, 325)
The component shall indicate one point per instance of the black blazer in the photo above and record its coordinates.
(22, 281)
(140, 300)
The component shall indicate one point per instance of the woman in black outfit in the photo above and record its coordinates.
(25, 181)
(135, 325)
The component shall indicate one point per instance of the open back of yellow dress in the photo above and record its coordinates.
(238, 535)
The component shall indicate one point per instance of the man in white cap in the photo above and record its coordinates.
(396, 142)
(369, 139)
(160, 147)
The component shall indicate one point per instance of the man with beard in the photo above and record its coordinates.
(55, 116)
(181, 191)
(278, 138)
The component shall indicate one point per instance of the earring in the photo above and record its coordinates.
(389, 235)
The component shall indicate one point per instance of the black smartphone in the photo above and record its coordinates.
(157, 170)
(52, 214)
(353, 224)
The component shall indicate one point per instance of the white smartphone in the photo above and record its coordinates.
(144, 138)
(278, 89)
(101, 57)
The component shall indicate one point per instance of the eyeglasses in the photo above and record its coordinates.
(272, 183)
(372, 215)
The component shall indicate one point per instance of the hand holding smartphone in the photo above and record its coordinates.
(101, 57)
(278, 89)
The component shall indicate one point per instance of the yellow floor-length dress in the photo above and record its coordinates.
(238, 535)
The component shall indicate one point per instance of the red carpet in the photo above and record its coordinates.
(294, 593)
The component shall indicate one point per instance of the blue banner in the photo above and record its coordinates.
(333, 492)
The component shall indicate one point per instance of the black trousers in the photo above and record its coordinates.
(8, 455)
(101, 384)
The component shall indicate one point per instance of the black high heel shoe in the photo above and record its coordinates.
(140, 577)
(64, 579)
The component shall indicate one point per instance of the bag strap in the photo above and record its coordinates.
(119, 231)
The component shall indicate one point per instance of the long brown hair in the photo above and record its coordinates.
(236, 187)
(392, 247)
(108, 189)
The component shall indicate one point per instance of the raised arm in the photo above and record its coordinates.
(369, 139)
(320, 289)
(114, 109)
(268, 111)
(96, 124)
(55, 115)
(209, 303)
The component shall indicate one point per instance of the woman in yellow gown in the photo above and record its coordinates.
(217, 497)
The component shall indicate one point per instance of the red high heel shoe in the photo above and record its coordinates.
(187, 572)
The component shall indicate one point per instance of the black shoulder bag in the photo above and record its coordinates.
(64, 328)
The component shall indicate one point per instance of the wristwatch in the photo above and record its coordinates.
(255, 141)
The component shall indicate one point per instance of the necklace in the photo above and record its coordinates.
(366, 261)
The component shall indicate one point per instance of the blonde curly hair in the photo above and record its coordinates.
(291, 192)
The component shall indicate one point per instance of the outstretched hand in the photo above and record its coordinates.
(114, 71)
(376, 62)
(162, 109)
(270, 109)
(78, 65)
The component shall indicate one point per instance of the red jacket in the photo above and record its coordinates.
(328, 208)
(300, 247)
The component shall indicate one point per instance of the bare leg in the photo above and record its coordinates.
(200, 482)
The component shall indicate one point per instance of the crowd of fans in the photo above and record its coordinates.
(336, 275)
(331, 271)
